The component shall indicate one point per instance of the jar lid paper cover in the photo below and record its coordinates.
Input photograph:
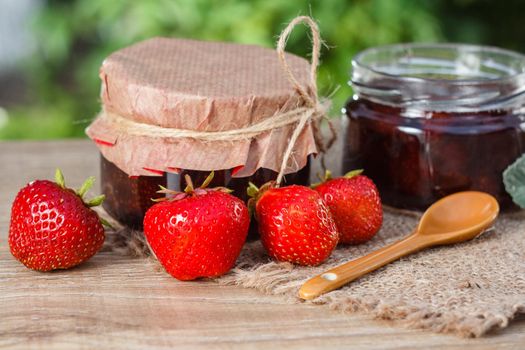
(197, 86)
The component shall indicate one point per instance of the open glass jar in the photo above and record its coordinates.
(428, 120)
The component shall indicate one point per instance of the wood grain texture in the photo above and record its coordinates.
(112, 302)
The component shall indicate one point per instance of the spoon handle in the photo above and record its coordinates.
(343, 274)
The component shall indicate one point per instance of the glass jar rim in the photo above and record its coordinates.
(440, 76)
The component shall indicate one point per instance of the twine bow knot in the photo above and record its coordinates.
(317, 110)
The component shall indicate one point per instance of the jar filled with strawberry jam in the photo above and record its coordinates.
(172, 107)
(129, 197)
(428, 120)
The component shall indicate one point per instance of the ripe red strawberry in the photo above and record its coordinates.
(294, 223)
(198, 233)
(52, 227)
(355, 205)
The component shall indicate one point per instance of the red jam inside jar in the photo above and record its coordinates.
(128, 198)
(430, 120)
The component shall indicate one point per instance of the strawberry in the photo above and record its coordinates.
(197, 233)
(294, 223)
(355, 205)
(52, 227)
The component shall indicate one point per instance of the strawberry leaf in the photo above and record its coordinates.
(223, 189)
(514, 180)
(165, 190)
(208, 180)
(252, 190)
(104, 222)
(86, 186)
(189, 184)
(353, 173)
(96, 201)
(59, 178)
(327, 176)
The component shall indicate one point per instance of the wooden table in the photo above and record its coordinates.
(115, 302)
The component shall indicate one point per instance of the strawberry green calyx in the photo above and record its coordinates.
(86, 186)
(59, 178)
(254, 193)
(81, 192)
(190, 189)
(105, 223)
(353, 173)
(252, 190)
(208, 180)
(174, 195)
(189, 184)
(96, 201)
(203, 188)
(327, 176)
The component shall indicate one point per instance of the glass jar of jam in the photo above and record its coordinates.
(428, 120)
(172, 107)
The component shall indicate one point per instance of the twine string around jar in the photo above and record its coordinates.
(312, 111)
(311, 101)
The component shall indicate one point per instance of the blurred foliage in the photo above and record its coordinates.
(75, 36)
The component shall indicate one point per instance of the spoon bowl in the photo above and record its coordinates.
(459, 217)
(453, 219)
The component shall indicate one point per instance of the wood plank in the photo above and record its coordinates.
(118, 302)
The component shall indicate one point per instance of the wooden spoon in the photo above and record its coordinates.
(453, 219)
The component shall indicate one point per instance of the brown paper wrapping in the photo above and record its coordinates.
(202, 86)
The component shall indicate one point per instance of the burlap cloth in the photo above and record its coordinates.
(467, 289)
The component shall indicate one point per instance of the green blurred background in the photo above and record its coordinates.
(49, 76)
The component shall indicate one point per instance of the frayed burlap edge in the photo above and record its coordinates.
(256, 271)
(274, 279)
